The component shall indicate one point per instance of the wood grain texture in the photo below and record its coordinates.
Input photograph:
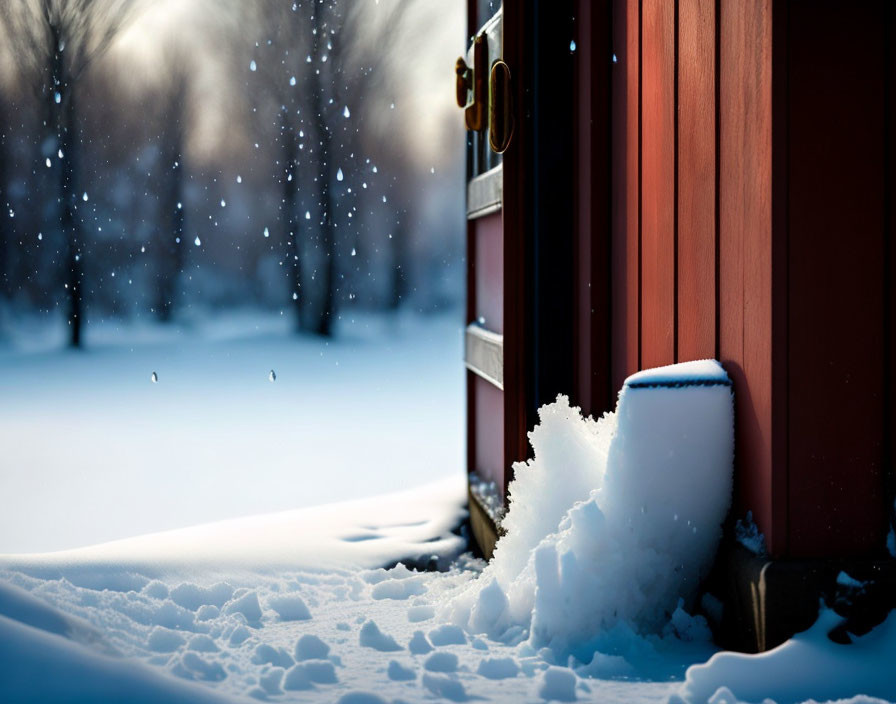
(657, 183)
(625, 210)
(696, 180)
(514, 224)
(745, 253)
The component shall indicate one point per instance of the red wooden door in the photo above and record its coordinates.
(518, 346)
(493, 413)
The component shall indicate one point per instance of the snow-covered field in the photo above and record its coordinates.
(93, 450)
(288, 607)
(375, 600)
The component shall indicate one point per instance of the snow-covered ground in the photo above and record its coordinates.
(93, 450)
(287, 606)
(586, 599)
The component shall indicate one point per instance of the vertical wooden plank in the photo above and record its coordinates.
(584, 169)
(514, 221)
(657, 183)
(592, 205)
(836, 220)
(889, 265)
(471, 272)
(696, 179)
(745, 253)
(625, 226)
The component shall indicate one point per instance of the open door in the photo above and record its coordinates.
(515, 85)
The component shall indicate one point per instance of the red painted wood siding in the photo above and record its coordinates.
(696, 309)
(752, 220)
(625, 250)
(657, 183)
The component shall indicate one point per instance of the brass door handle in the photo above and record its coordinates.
(500, 107)
(471, 86)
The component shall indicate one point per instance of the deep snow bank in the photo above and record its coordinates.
(614, 520)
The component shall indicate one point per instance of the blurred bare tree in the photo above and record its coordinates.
(5, 287)
(313, 73)
(176, 112)
(54, 43)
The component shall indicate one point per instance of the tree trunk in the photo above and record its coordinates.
(62, 107)
(173, 242)
(292, 218)
(324, 323)
(5, 226)
(400, 263)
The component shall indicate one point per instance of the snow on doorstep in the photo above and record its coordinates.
(613, 521)
(810, 666)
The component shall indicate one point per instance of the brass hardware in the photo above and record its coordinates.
(464, 82)
(500, 112)
(471, 86)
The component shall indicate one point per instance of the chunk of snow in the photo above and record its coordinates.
(192, 596)
(557, 683)
(360, 698)
(320, 671)
(418, 644)
(399, 672)
(441, 661)
(164, 640)
(290, 607)
(372, 637)
(268, 654)
(310, 647)
(498, 668)
(297, 679)
(156, 589)
(202, 643)
(447, 634)
(247, 605)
